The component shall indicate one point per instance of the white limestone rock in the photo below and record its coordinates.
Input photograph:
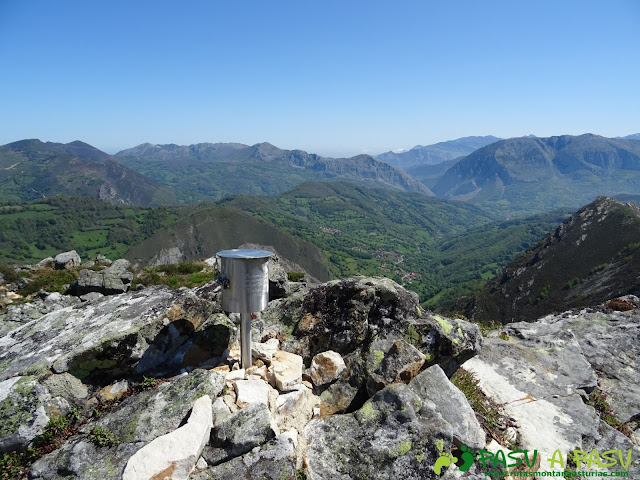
(175, 454)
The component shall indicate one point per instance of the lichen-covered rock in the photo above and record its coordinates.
(433, 385)
(66, 386)
(395, 434)
(67, 260)
(25, 409)
(390, 362)
(275, 460)
(175, 454)
(326, 367)
(44, 303)
(137, 421)
(241, 432)
(150, 414)
(154, 331)
(80, 458)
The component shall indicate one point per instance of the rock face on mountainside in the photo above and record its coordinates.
(351, 379)
(592, 257)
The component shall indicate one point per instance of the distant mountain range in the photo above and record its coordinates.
(437, 153)
(525, 175)
(210, 171)
(592, 257)
(31, 169)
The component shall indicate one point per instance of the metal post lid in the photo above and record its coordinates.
(244, 253)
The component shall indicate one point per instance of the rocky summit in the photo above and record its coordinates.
(351, 379)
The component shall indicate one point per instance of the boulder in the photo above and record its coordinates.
(80, 458)
(174, 454)
(395, 434)
(433, 385)
(275, 460)
(609, 342)
(326, 367)
(66, 386)
(538, 382)
(137, 421)
(248, 428)
(67, 260)
(390, 362)
(112, 280)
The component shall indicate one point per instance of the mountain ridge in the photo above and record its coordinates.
(211, 171)
(534, 174)
(31, 169)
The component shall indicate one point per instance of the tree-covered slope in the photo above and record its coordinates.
(31, 169)
(592, 257)
(32, 231)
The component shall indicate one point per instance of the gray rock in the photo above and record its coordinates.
(150, 414)
(238, 434)
(176, 453)
(112, 280)
(91, 296)
(610, 343)
(155, 331)
(2, 282)
(395, 434)
(79, 458)
(66, 386)
(538, 381)
(390, 362)
(45, 262)
(275, 460)
(24, 412)
(67, 260)
(433, 385)
(17, 315)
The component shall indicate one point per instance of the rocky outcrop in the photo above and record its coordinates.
(153, 331)
(350, 380)
(113, 280)
(544, 371)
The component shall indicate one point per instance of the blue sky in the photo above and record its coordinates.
(335, 78)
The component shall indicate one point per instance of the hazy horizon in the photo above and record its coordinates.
(336, 79)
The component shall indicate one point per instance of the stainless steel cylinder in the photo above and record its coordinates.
(245, 278)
